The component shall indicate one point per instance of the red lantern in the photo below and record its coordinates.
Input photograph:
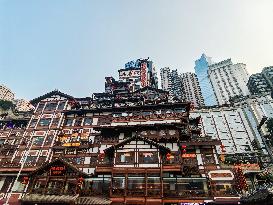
(184, 151)
(168, 156)
(25, 180)
(80, 181)
(184, 146)
(223, 148)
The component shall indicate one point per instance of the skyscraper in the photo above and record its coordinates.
(171, 82)
(228, 80)
(201, 71)
(191, 89)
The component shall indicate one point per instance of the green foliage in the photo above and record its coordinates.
(5, 104)
(269, 125)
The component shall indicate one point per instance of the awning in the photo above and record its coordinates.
(49, 198)
(92, 200)
(40, 198)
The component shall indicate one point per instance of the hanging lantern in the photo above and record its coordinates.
(102, 155)
(184, 146)
(25, 180)
(184, 151)
(168, 156)
(80, 181)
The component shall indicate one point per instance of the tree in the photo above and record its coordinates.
(5, 104)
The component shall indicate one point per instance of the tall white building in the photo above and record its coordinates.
(232, 126)
(6, 93)
(228, 80)
(191, 89)
(164, 74)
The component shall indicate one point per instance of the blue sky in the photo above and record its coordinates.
(71, 45)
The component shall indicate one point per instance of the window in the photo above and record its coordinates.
(38, 141)
(136, 184)
(50, 106)
(78, 122)
(148, 157)
(44, 122)
(2, 141)
(61, 106)
(118, 184)
(55, 122)
(88, 121)
(40, 107)
(68, 122)
(126, 158)
(48, 140)
(208, 159)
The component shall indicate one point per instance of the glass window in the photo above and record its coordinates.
(118, 185)
(68, 122)
(48, 140)
(44, 122)
(50, 106)
(88, 121)
(136, 184)
(153, 184)
(55, 121)
(148, 157)
(38, 141)
(126, 158)
(78, 122)
(2, 141)
(40, 106)
(61, 106)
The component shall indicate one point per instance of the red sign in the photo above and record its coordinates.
(57, 170)
(143, 75)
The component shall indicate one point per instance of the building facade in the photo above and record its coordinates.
(134, 148)
(191, 89)
(261, 83)
(139, 74)
(201, 71)
(6, 93)
(228, 80)
(171, 82)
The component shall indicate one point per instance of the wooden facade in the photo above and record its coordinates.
(132, 148)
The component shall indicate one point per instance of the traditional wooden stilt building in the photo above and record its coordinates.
(115, 148)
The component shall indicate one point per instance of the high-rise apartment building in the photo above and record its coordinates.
(191, 89)
(170, 81)
(228, 80)
(164, 74)
(268, 74)
(201, 71)
(261, 83)
(6, 93)
(257, 84)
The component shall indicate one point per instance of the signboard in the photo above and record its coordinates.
(72, 144)
(143, 74)
(129, 74)
(188, 155)
(57, 170)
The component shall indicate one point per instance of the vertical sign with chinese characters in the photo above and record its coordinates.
(143, 74)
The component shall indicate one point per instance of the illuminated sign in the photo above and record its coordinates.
(188, 155)
(72, 144)
(57, 170)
